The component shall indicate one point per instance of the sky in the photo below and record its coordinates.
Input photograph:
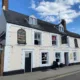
(50, 10)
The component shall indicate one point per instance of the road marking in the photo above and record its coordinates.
(61, 76)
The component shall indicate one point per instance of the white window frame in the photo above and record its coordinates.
(47, 64)
(32, 21)
(56, 40)
(37, 38)
(61, 28)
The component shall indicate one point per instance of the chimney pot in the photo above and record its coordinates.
(5, 4)
(63, 22)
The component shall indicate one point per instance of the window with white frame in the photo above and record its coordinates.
(58, 56)
(61, 28)
(75, 56)
(54, 40)
(64, 39)
(37, 38)
(32, 21)
(76, 43)
(44, 57)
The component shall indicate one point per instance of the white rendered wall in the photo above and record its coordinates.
(15, 56)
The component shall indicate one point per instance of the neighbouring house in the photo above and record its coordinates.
(28, 44)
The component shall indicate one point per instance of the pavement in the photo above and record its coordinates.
(44, 75)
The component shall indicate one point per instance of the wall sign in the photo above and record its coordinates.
(21, 36)
(71, 56)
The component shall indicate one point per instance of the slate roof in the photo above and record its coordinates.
(23, 20)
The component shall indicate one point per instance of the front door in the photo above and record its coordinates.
(66, 58)
(28, 62)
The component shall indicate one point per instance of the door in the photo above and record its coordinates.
(66, 58)
(28, 62)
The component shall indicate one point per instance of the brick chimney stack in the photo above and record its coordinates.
(5, 4)
(63, 22)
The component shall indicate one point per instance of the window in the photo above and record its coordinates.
(21, 36)
(76, 43)
(54, 40)
(64, 40)
(75, 56)
(37, 38)
(57, 55)
(44, 58)
(61, 28)
(32, 21)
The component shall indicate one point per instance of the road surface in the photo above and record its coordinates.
(75, 76)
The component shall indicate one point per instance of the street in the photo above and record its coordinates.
(71, 77)
(65, 73)
(75, 76)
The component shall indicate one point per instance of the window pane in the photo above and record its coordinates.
(57, 55)
(53, 40)
(74, 55)
(30, 20)
(36, 42)
(44, 58)
(64, 40)
(44, 62)
(76, 43)
(37, 38)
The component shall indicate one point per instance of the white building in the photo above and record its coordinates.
(31, 44)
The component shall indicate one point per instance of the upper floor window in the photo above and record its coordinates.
(54, 40)
(61, 28)
(32, 20)
(37, 38)
(21, 36)
(64, 40)
(76, 43)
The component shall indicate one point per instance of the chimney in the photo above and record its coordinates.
(5, 4)
(63, 22)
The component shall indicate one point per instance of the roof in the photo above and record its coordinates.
(23, 20)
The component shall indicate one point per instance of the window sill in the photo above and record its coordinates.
(42, 65)
(21, 44)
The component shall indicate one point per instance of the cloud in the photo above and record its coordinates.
(33, 4)
(52, 11)
(50, 18)
(79, 6)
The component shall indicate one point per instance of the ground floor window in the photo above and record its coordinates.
(58, 56)
(44, 57)
(74, 56)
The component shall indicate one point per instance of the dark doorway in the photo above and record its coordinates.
(28, 62)
(66, 58)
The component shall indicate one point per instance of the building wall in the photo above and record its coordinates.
(14, 54)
